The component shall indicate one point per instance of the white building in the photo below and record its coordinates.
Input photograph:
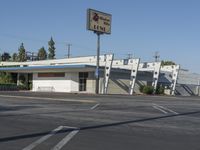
(78, 74)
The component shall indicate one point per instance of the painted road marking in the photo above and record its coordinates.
(165, 109)
(42, 139)
(160, 109)
(46, 98)
(65, 140)
(69, 127)
(177, 97)
(95, 106)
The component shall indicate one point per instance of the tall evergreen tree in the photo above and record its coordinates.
(22, 53)
(51, 49)
(14, 57)
(5, 56)
(42, 54)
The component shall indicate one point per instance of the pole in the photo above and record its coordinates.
(198, 87)
(69, 46)
(32, 55)
(97, 67)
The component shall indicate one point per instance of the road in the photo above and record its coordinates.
(54, 121)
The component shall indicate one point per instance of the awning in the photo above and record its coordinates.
(50, 68)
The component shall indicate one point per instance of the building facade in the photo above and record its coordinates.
(116, 76)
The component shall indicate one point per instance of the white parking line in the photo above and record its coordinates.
(46, 98)
(95, 106)
(165, 109)
(42, 139)
(160, 109)
(65, 140)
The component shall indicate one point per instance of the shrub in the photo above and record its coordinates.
(146, 89)
(141, 88)
(160, 90)
(22, 79)
(22, 87)
(30, 86)
(5, 78)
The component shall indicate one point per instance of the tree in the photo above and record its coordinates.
(5, 78)
(14, 57)
(165, 63)
(42, 54)
(22, 53)
(5, 56)
(51, 49)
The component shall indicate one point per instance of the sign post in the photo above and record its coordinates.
(100, 23)
(97, 67)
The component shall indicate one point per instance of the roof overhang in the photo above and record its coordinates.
(50, 68)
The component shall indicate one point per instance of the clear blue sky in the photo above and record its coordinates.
(141, 27)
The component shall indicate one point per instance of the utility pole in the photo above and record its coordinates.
(130, 56)
(68, 49)
(156, 56)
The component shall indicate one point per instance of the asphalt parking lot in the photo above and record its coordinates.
(54, 121)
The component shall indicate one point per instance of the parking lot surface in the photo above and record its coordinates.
(58, 121)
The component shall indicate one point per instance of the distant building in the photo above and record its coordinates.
(116, 76)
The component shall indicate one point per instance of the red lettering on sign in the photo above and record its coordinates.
(96, 17)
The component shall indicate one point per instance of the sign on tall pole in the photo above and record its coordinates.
(99, 23)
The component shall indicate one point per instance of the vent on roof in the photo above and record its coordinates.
(145, 65)
(125, 61)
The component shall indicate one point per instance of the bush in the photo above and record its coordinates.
(30, 86)
(22, 87)
(148, 90)
(5, 78)
(22, 79)
(141, 88)
(160, 90)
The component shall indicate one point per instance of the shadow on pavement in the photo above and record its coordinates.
(19, 137)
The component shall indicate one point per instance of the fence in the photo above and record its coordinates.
(8, 87)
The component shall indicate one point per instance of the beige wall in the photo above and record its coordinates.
(119, 83)
(91, 83)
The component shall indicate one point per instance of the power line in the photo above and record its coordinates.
(42, 41)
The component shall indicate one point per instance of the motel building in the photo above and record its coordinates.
(77, 75)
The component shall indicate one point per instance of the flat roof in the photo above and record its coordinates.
(43, 68)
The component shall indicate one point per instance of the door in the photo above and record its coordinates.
(83, 81)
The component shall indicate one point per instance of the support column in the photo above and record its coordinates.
(174, 78)
(198, 84)
(156, 73)
(108, 67)
(18, 82)
(134, 71)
